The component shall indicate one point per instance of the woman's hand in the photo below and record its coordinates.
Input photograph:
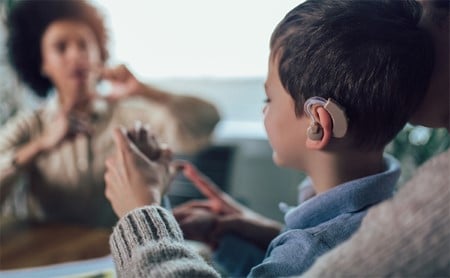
(134, 180)
(65, 127)
(124, 83)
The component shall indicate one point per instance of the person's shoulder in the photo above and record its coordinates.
(29, 117)
(426, 194)
(438, 164)
(433, 173)
(137, 108)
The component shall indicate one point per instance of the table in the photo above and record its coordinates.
(36, 244)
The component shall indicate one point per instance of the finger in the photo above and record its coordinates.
(112, 74)
(120, 138)
(153, 141)
(204, 184)
(222, 202)
(131, 134)
(123, 72)
(165, 153)
(180, 216)
(153, 148)
(110, 184)
(112, 168)
(141, 131)
(195, 204)
(122, 144)
(175, 168)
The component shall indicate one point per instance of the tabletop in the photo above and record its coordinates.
(37, 244)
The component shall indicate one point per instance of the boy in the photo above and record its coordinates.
(344, 77)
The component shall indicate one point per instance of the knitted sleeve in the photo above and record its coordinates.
(148, 242)
(405, 237)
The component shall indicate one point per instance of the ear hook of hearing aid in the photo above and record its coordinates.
(309, 104)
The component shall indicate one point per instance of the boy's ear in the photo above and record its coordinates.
(326, 123)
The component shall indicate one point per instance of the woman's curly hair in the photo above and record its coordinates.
(26, 24)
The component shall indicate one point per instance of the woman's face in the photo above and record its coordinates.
(286, 131)
(71, 58)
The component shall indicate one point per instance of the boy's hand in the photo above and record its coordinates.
(132, 179)
(145, 140)
(231, 217)
(197, 221)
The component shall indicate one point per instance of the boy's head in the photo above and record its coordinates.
(368, 56)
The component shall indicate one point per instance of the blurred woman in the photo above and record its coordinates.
(57, 152)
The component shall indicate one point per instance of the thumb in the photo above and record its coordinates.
(122, 144)
(120, 139)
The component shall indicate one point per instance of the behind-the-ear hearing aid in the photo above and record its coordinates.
(337, 115)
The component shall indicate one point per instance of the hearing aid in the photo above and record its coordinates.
(315, 131)
(337, 114)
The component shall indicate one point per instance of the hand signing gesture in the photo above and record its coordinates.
(219, 214)
(65, 127)
(124, 83)
(133, 179)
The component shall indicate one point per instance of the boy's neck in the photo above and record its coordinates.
(328, 170)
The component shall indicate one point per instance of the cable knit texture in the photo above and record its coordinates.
(408, 236)
(148, 242)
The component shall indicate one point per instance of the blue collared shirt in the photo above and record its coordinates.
(322, 222)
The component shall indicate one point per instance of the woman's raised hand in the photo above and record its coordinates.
(124, 83)
(64, 127)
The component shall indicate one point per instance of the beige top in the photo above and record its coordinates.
(67, 183)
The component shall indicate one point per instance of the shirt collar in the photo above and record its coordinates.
(348, 197)
(99, 108)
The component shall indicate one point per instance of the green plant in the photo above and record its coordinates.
(416, 144)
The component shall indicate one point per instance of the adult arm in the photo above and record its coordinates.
(406, 236)
(195, 118)
(14, 137)
(23, 140)
(147, 241)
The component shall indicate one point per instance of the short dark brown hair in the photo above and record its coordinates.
(369, 56)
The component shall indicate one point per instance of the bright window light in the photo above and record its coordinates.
(217, 50)
(196, 38)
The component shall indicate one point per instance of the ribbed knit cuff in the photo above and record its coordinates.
(141, 226)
